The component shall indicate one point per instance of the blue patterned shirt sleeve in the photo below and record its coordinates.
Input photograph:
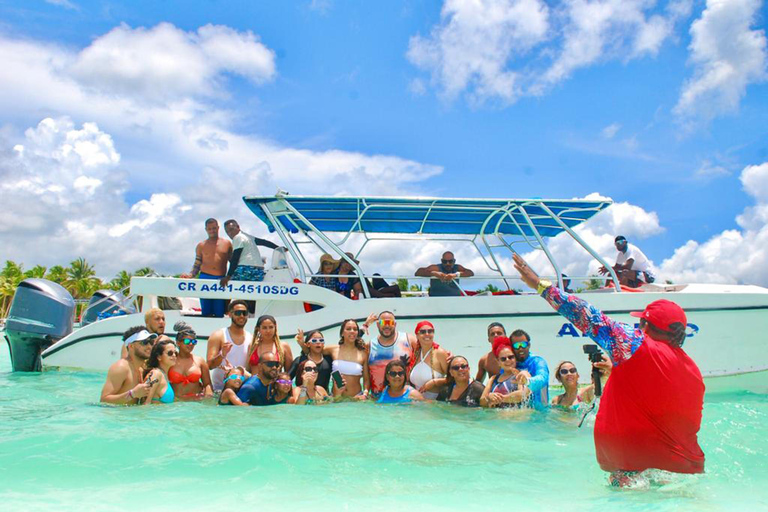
(618, 339)
(539, 375)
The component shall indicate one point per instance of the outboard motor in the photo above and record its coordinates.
(106, 303)
(41, 314)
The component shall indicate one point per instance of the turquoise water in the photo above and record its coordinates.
(60, 449)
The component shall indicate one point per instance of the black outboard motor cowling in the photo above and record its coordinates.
(105, 303)
(41, 314)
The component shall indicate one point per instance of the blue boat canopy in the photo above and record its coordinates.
(420, 215)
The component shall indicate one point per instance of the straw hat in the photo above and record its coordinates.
(328, 257)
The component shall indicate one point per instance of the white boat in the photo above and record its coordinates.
(726, 322)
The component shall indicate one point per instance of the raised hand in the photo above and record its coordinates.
(527, 274)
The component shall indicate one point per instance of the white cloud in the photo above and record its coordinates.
(164, 62)
(502, 50)
(727, 56)
(709, 169)
(735, 255)
(610, 131)
(63, 3)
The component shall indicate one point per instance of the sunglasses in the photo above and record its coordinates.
(448, 261)
(310, 369)
(234, 377)
(240, 312)
(283, 381)
(171, 353)
(316, 340)
(427, 331)
(520, 344)
(188, 341)
(385, 323)
(146, 342)
(566, 371)
(271, 364)
(504, 359)
(460, 367)
(396, 374)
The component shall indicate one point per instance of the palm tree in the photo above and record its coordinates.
(10, 277)
(121, 280)
(36, 271)
(81, 279)
(57, 274)
(12, 269)
(144, 271)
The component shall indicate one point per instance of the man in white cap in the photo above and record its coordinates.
(125, 378)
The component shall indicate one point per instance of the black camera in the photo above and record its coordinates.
(595, 356)
(594, 353)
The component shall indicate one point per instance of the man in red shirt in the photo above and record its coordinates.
(650, 412)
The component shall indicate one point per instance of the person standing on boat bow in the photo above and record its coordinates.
(211, 258)
(639, 427)
(445, 276)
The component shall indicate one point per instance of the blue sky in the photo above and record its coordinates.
(374, 80)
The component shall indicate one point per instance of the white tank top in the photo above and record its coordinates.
(422, 373)
(238, 356)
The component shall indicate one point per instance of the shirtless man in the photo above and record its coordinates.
(387, 346)
(124, 378)
(489, 363)
(211, 257)
(228, 347)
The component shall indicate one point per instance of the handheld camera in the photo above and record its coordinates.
(595, 355)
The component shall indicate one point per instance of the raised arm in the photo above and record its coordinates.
(620, 340)
(265, 243)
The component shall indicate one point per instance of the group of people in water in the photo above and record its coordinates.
(258, 369)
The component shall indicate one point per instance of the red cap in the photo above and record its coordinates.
(662, 313)
(423, 323)
(499, 342)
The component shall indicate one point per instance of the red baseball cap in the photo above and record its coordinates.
(662, 313)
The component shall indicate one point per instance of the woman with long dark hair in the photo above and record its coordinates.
(161, 359)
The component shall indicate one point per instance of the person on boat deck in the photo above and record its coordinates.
(445, 276)
(228, 347)
(154, 319)
(389, 345)
(245, 264)
(458, 387)
(352, 287)
(266, 340)
(256, 390)
(430, 361)
(533, 367)
(508, 388)
(567, 375)
(161, 359)
(489, 363)
(189, 377)
(396, 387)
(632, 266)
(211, 258)
(639, 427)
(327, 266)
(307, 390)
(233, 381)
(125, 380)
(315, 345)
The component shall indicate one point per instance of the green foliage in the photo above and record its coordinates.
(402, 283)
(594, 284)
(489, 288)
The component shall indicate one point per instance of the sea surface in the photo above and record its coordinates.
(60, 450)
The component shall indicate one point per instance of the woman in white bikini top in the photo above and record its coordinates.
(431, 360)
(350, 358)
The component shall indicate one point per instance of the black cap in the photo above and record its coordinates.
(619, 239)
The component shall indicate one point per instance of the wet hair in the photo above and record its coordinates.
(133, 330)
(449, 380)
(675, 335)
(519, 332)
(300, 371)
(359, 343)
(392, 364)
(557, 370)
(157, 351)
(496, 324)
(236, 302)
(257, 339)
(182, 329)
(210, 220)
(230, 222)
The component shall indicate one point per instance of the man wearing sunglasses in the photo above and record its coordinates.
(639, 426)
(124, 383)
(255, 390)
(388, 346)
(532, 368)
(445, 276)
(228, 347)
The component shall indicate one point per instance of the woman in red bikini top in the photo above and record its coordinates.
(189, 377)
(266, 339)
